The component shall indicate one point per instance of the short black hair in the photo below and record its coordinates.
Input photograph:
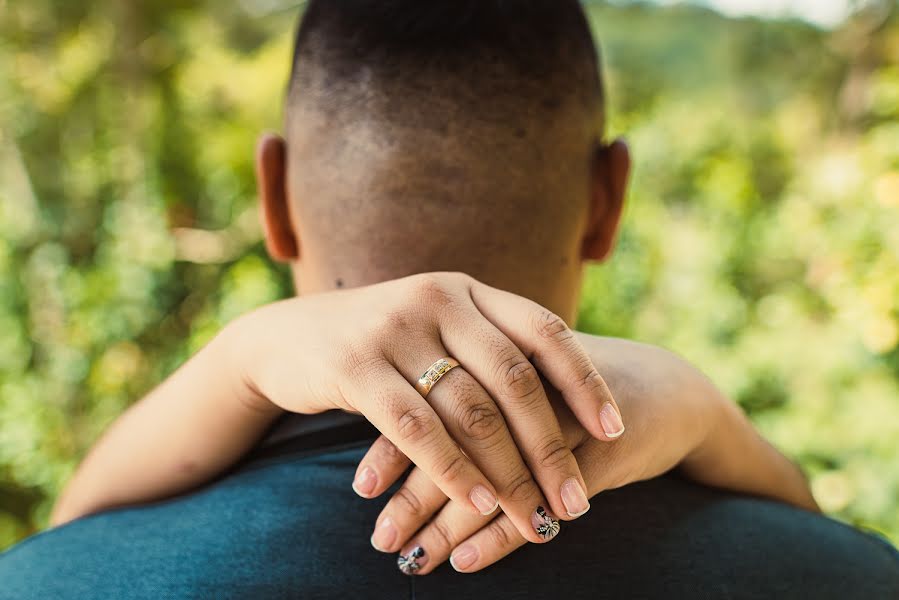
(493, 46)
(442, 134)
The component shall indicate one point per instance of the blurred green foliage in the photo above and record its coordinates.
(761, 242)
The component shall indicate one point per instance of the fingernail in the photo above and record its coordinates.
(483, 500)
(384, 536)
(365, 482)
(413, 561)
(610, 419)
(544, 524)
(463, 557)
(574, 498)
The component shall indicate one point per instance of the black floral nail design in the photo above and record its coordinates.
(549, 527)
(409, 564)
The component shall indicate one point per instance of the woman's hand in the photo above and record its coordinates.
(487, 433)
(675, 416)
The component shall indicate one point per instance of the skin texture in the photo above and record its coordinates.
(173, 446)
(551, 275)
(418, 516)
(517, 195)
(468, 139)
(351, 359)
(359, 350)
(549, 272)
(675, 417)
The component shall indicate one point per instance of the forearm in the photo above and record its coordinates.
(734, 456)
(189, 429)
(713, 443)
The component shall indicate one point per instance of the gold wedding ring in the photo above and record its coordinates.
(434, 373)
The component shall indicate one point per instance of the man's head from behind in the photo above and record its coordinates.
(432, 135)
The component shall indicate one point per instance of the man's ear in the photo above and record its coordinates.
(611, 170)
(271, 182)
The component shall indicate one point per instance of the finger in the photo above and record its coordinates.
(604, 467)
(554, 350)
(433, 544)
(401, 414)
(507, 376)
(379, 469)
(476, 423)
(493, 542)
(407, 510)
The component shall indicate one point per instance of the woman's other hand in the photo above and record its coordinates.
(486, 435)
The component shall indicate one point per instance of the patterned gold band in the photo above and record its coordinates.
(434, 373)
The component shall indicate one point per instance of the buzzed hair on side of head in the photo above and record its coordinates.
(399, 109)
(502, 45)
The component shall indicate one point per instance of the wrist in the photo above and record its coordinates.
(735, 456)
(240, 357)
(714, 419)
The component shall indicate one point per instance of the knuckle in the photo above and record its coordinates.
(355, 363)
(442, 534)
(520, 487)
(551, 327)
(499, 534)
(431, 290)
(415, 424)
(519, 378)
(394, 321)
(452, 469)
(389, 452)
(480, 422)
(553, 453)
(463, 278)
(592, 383)
(406, 501)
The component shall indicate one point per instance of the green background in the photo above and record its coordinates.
(761, 240)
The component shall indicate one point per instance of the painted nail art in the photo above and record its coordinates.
(546, 526)
(409, 564)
